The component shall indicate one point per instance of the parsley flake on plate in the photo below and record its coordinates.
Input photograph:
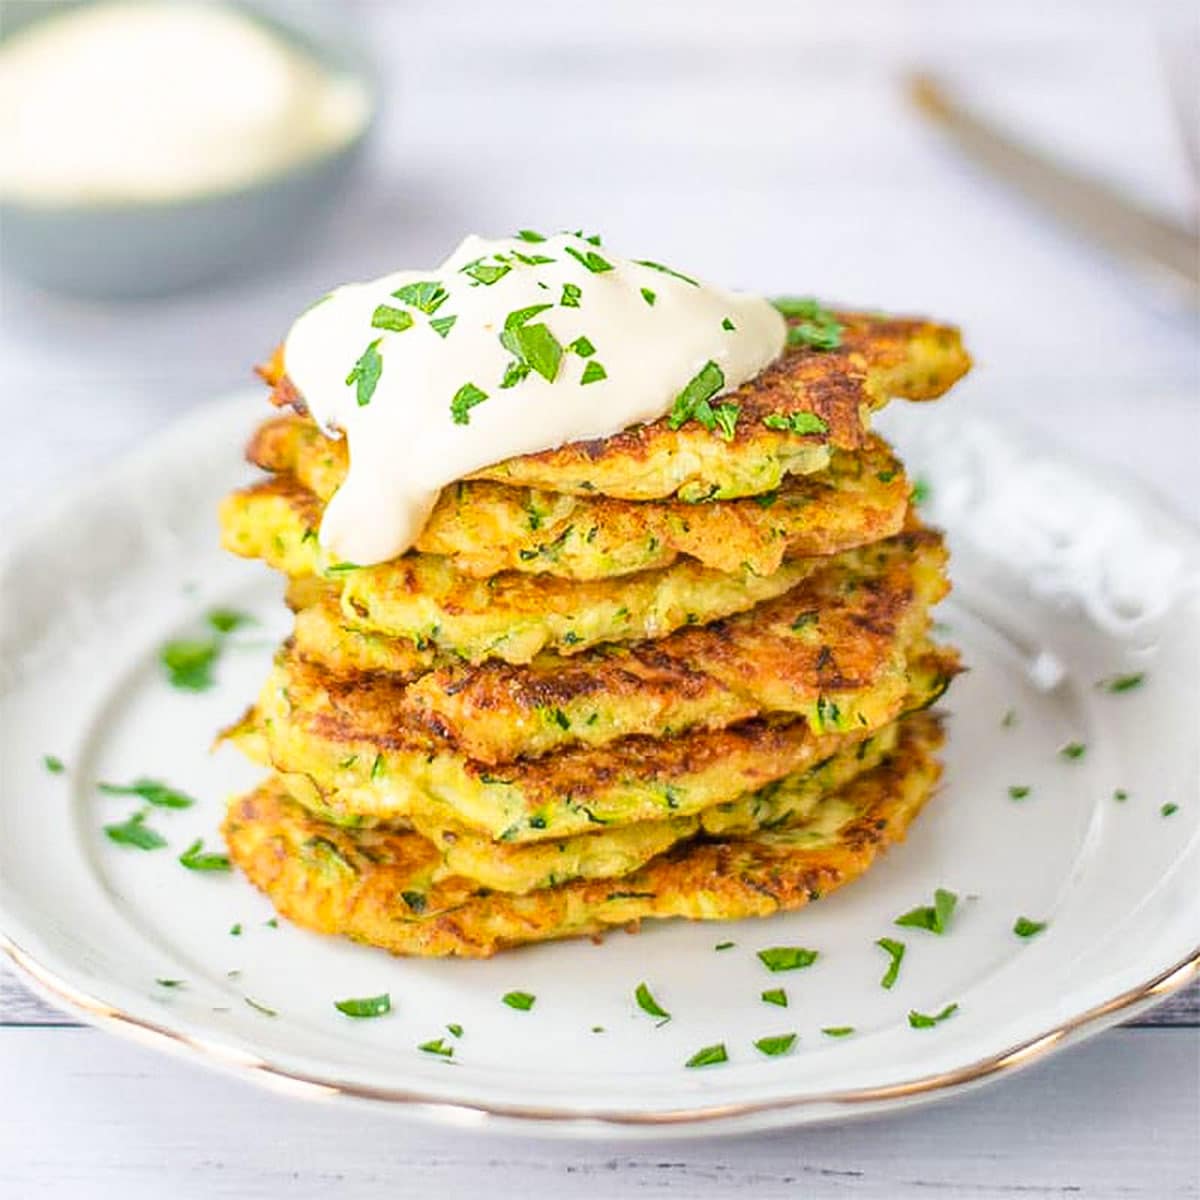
(708, 1057)
(135, 833)
(196, 858)
(934, 917)
(787, 958)
(521, 1001)
(1023, 927)
(53, 764)
(365, 1006)
(1073, 751)
(895, 951)
(153, 791)
(1117, 684)
(647, 1003)
(774, 1046)
(776, 996)
(920, 1020)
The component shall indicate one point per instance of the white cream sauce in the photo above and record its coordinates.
(129, 101)
(615, 344)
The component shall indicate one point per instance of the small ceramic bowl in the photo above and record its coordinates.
(148, 249)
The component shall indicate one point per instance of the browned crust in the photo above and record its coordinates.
(374, 886)
(880, 357)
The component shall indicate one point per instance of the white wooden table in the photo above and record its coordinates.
(764, 144)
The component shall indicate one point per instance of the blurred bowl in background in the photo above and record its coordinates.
(112, 248)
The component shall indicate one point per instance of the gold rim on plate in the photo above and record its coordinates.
(1032, 1049)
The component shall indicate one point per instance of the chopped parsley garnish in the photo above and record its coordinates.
(1123, 683)
(262, 1008)
(532, 260)
(709, 1056)
(396, 320)
(649, 296)
(772, 1047)
(442, 325)
(919, 1020)
(1120, 795)
(189, 662)
(921, 491)
(522, 1001)
(1025, 928)
(800, 423)
(464, 400)
(228, 620)
(935, 917)
(838, 1030)
(169, 983)
(693, 402)
(534, 346)
(1018, 791)
(647, 1003)
(1073, 750)
(817, 327)
(728, 325)
(530, 235)
(787, 958)
(592, 373)
(437, 1046)
(589, 259)
(153, 791)
(583, 347)
(805, 619)
(235, 930)
(645, 262)
(776, 996)
(427, 296)
(726, 417)
(1009, 719)
(366, 1006)
(365, 374)
(724, 945)
(273, 923)
(53, 764)
(895, 951)
(196, 858)
(455, 1029)
(483, 273)
(1168, 810)
(570, 295)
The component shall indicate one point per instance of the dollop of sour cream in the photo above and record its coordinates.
(139, 101)
(509, 347)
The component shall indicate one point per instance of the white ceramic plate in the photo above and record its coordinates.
(1061, 581)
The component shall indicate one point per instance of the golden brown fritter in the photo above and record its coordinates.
(367, 766)
(880, 357)
(830, 650)
(512, 616)
(378, 887)
(483, 528)
(615, 850)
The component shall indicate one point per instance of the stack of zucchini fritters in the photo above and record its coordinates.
(662, 674)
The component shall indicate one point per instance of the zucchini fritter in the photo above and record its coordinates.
(366, 767)
(826, 650)
(378, 887)
(483, 528)
(511, 616)
(614, 851)
(880, 357)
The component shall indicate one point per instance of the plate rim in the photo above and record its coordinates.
(532, 1120)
